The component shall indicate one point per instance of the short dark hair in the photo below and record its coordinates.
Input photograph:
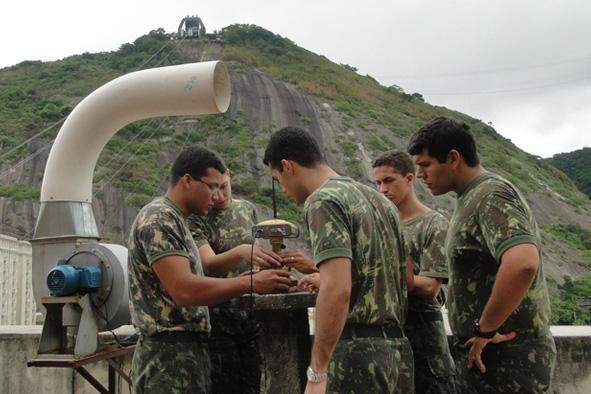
(398, 160)
(195, 160)
(292, 143)
(442, 134)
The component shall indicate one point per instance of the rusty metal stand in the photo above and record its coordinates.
(77, 364)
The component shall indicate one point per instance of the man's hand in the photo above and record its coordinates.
(316, 388)
(310, 283)
(270, 281)
(478, 344)
(298, 260)
(261, 257)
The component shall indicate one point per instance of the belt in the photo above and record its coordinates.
(423, 317)
(179, 336)
(367, 331)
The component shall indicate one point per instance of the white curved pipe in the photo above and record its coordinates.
(188, 89)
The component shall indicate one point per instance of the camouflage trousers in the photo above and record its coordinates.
(434, 367)
(166, 365)
(371, 365)
(523, 365)
(235, 353)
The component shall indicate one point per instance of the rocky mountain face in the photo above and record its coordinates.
(274, 84)
(576, 165)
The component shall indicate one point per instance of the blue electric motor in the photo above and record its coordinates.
(65, 280)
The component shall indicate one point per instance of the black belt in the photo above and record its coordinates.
(423, 317)
(179, 336)
(366, 331)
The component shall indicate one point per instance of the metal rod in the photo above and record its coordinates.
(274, 200)
(91, 379)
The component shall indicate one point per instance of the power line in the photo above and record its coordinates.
(484, 71)
(26, 159)
(39, 134)
(501, 91)
(31, 156)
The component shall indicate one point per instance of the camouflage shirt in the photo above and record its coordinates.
(160, 230)
(350, 220)
(424, 238)
(491, 216)
(224, 229)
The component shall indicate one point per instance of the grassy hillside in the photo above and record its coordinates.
(366, 104)
(369, 118)
(576, 165)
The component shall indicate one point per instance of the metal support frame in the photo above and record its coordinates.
(77, 364)
(53, 336)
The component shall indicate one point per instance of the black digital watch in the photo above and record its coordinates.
(481, 334)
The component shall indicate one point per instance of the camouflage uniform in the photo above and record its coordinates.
(424, 238)
(350, 220)
(179, 362)
(234, 342)
(492, 216)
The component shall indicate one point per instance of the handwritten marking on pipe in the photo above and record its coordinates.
(190, 84)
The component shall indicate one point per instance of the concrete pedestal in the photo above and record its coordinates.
(285, 338)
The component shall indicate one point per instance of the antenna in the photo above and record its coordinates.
(274, 199)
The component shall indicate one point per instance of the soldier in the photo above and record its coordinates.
(225, 242)
(168, 292)
(358, 247)
(424, 236)
(498, 300)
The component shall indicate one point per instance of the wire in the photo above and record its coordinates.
(45, 130)
(273, 197)
(104, 183)
(483, 71)
(26, 159)
(500, 91)
(251, 280)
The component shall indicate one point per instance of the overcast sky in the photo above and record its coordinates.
(523, 65)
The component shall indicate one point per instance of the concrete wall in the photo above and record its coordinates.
(19, 344)
(17, 305)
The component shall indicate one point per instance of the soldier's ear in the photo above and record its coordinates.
(186, 180)
(410, 177)
(287, 166)
(454, 158)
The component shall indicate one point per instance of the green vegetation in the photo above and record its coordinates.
(576, 165)
(573, 305)
(19, 192)
(573, 235)
(35, 95)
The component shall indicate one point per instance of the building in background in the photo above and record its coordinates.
(17, 304)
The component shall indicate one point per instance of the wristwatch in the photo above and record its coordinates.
(316, 377)
(481, 334)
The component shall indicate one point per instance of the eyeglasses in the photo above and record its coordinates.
(213, 187)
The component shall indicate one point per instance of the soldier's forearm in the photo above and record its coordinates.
(425, 287)
(514, 277)
(220, 264)
(332, 307)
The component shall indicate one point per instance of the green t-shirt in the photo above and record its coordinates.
(491, 216)
(350, 220)
(224, 229)
(160, 230)
(424, 238)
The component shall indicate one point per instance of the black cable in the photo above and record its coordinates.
(105, 319)
(274, 200)
(251, 281)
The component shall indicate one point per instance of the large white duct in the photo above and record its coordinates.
(66, 221)
(189, 89)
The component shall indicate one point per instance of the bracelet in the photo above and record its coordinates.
(316, 377)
